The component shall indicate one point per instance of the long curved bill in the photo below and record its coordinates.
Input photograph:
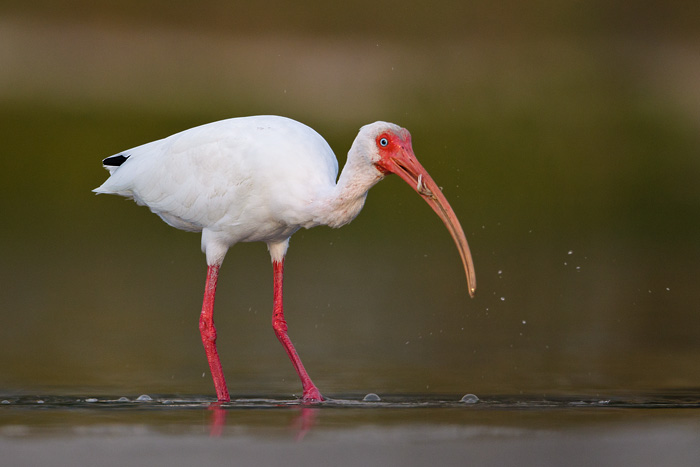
(405, 165)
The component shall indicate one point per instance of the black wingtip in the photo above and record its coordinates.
(115, 161)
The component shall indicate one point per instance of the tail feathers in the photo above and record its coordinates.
(115, 161)
(112, 163)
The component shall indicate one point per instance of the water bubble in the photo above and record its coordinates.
(570, 252)
(503, 299)
(469, 399)
(371, 397)
(144, 398)
(524, 322)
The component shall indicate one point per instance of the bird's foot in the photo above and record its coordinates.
(312, 396)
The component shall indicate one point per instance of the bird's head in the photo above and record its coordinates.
(389, 149)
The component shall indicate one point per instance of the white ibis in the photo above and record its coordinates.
(261, 179)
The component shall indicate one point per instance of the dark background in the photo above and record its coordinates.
(565, 136)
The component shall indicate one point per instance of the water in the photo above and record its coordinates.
(681, 399)
(640, 429)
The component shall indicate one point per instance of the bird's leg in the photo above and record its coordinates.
(208, 331)
(311, 392)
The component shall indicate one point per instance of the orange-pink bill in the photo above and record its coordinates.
(401, 160)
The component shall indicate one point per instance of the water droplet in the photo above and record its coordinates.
(524, 322)
(5, 401)
(371, 397)
(469, 399)
(144, 398)
(123, 399)
(91, 399)
(503, 299)
(570, 252)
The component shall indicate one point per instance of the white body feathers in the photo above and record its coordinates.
(242, 180)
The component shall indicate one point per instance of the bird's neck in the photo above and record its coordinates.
(348, 197)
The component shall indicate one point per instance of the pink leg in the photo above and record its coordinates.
(311, 393)
(208, 331)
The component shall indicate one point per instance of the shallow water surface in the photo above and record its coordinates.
(640, 429)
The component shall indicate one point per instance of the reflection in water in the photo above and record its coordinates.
(218, 419)
(303, 422)
(29, 415)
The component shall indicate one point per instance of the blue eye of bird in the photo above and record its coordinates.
(383, 142)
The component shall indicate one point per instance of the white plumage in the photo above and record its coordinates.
(237, 180)
(261, 179)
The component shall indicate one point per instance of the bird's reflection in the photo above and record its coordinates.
(218, 420)
(302, 423)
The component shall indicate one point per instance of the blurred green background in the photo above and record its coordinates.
(564, 134)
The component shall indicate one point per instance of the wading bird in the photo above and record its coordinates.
(261, 179)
